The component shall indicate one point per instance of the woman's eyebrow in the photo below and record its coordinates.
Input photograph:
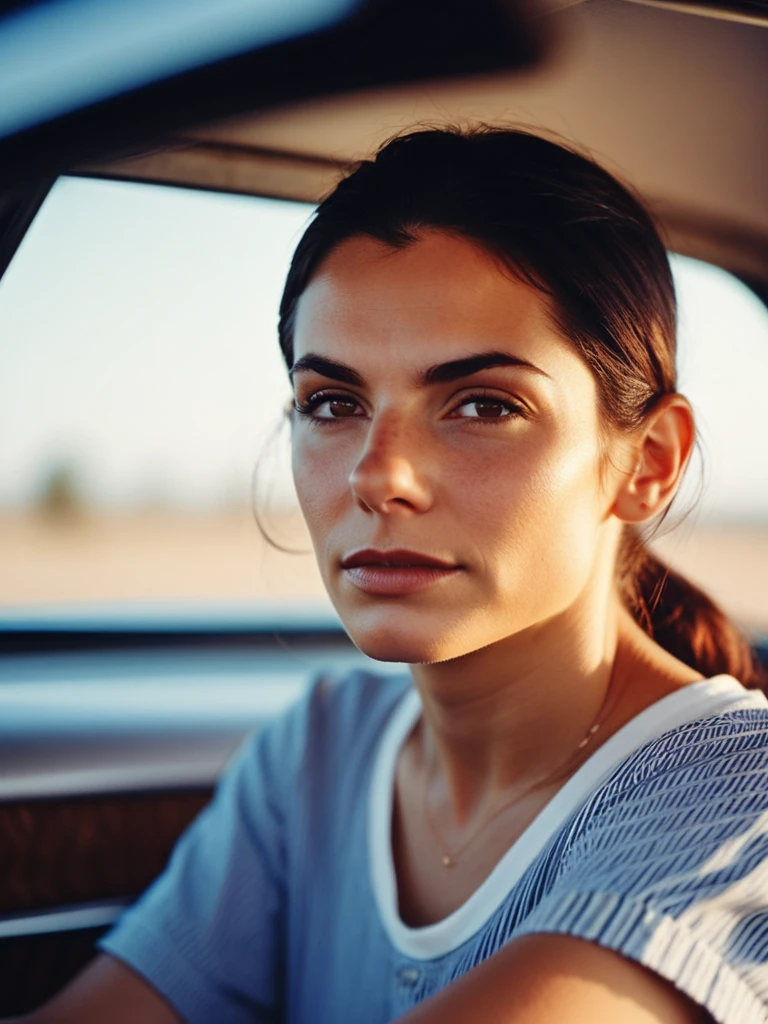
(445, 373)
(327, 368)
(442, 373)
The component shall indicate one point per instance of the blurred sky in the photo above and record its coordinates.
(138, 346)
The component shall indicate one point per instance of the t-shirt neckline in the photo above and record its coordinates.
(691, 702)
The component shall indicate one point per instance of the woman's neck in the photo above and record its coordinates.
(500, 719)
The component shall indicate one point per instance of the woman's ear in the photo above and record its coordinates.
(661, 454)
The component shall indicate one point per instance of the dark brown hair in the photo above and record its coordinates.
(564, 224)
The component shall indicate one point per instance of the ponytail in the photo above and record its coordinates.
(682, 619)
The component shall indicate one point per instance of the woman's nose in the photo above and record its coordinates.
(389, 474)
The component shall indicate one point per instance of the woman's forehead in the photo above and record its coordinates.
(436, 271)
(439, 298)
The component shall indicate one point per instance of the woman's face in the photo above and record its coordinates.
(448, 455)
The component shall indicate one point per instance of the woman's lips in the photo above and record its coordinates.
(395, 573)
(382, 580)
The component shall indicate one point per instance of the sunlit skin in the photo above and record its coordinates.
(512, 497)
(508, 474)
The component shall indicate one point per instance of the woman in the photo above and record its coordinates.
(563, 816)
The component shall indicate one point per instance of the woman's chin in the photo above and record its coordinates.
(407, 641)
(399, 650)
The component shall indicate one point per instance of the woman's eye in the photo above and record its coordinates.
(486, 409)
(330, 407)
(338, 408)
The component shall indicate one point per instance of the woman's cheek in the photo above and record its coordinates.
(543, 507)
(564, 510)
(321, 478)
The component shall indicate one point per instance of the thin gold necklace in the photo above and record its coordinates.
(449, 857)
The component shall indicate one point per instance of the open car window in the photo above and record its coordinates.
(717, 530)
(142, 395)
(143, 400)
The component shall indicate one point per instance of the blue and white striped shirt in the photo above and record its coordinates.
(280, 902)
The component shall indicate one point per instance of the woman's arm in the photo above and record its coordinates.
(557, 979)
(106, 990)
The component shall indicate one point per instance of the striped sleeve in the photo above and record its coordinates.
(668, 865)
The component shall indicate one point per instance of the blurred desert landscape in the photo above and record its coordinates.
(151, 556)
(95, 557)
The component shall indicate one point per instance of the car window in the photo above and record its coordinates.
(142, 391)
(717, 531)
(140, 385)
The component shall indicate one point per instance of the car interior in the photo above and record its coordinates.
(120, 708)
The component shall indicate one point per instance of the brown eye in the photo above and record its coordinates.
(340, 408)
(479, 408)
(490, 410)
(324, 408)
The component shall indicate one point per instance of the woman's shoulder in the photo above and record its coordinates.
(679, 799)
(337, 716)
(667, 862)
(348, 697)
(349, 707)
(711, 750)
(339, 700)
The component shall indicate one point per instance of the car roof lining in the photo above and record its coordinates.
(296, 177)
(664, 99)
